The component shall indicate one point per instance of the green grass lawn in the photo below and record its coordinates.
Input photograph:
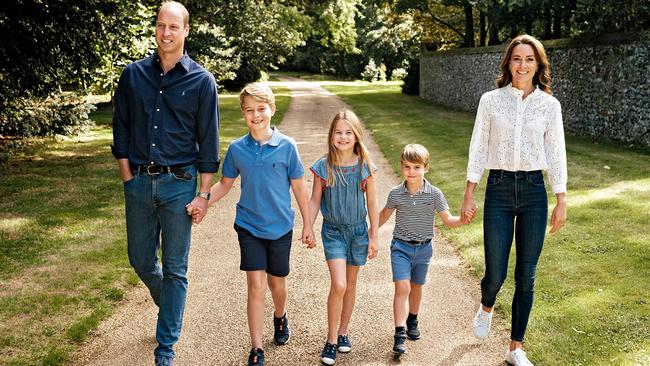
(63, 262)
(592, 302)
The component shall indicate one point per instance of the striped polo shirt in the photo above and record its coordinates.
(415, 212)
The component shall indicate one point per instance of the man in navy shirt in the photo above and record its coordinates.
(165, 131)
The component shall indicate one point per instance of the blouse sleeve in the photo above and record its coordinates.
(555, 150)
(478, 147)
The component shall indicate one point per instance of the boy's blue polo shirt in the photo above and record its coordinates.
(266, 171)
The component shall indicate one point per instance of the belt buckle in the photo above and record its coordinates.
(149, 170)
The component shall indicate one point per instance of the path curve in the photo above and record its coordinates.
(215, 330)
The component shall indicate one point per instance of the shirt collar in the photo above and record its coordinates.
(184, 61)
(426, 188)
(519, 93)
(276, 138)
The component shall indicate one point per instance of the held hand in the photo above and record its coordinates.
(197, 215)
(468, 210)
(373, 248)
(308, 237)
(558, 217)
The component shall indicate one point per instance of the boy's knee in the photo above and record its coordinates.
(402, 287)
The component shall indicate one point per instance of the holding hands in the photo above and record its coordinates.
(198, 208)
(468, 210)
(308, 237)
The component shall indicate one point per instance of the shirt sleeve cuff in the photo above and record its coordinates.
(473, 177)
(207, 167)
(117, 154)
(559, 188)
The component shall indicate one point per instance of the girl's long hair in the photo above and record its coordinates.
(542, 76)
(333, 163)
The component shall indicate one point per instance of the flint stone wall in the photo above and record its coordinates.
(603, 83)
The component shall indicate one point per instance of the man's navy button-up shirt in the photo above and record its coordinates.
(167, 119)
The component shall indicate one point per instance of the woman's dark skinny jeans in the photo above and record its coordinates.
(515, 203)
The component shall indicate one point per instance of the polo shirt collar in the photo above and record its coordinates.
(276, 138)
(426, 188)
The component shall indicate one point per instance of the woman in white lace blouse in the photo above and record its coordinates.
(518, 133)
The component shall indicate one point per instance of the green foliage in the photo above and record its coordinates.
(129, 37)
(373, 72)
(398, 74)
(62, 113)
(261, 34)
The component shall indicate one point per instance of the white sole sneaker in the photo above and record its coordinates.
(517, 358)
(482, 323)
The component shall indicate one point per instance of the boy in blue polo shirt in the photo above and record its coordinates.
(269, 165)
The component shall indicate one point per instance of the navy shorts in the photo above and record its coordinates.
(258, 254)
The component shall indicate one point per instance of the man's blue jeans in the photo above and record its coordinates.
(156, 218)
(515, 202)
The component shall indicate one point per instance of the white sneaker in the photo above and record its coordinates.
(518, 358)
(482, 322)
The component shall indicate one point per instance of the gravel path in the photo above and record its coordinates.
(215, 330)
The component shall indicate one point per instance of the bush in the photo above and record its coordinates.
(370, 72)
(63, 113)
(411, 84)
(398, 74)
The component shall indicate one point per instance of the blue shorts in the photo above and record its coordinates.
(409, 261)
(349, 242)
(264, 254)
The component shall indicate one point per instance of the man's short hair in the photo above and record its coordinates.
(259, 91)
(416, 154)
(186, 14)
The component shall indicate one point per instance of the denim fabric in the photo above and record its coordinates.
(349, 242)
(344, 203)
(515, 202)
(409, 261)
(156, 218)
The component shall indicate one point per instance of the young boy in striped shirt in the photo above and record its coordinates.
(416, 202)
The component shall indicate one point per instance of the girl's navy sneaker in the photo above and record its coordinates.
(343, 344)
(328, 356)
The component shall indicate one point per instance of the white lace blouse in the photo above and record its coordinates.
(514, 134)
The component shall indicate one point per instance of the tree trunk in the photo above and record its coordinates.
(469, 25)
(482, 31)
(557, 22)
(548, 19)
(493, 27)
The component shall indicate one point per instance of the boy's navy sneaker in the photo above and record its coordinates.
(399, 347)
(256, 357)
(164, 360)
(328, 356)
(412, 330)
(282, 334)
(343, 344)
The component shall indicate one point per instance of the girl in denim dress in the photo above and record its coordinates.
(344, 189)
